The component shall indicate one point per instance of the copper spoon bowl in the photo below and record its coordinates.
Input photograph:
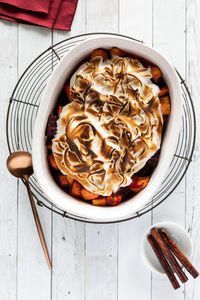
(19, 164)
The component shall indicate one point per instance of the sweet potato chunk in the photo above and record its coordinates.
(63, 179)
(116, 52)
(98, 52)
(67, 90)
(70, 180)
(114, 200)
(60, 110)
(163, 91)
(165, 105)
(139, 183)
(49, 147)
(156, 73)
(76, 189)
(101, 201)
(86, 195)
(52, 161)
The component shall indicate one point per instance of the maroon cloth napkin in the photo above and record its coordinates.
(60, 14)
(33, 5)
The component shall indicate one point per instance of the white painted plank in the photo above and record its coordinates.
(169, 30)
(101, 240)
(134, 278)
(34, 278)
(102, 16)
(167, 210)
(68, 239)
(169, 38)
(136, 19)
(192, 290)
(101, 261)
(8, 190)
(68, 249)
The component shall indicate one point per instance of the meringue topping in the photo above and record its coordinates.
(113, 125)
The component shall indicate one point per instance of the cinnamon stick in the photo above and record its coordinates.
(164, 263)
(176, 267)
(178, 253)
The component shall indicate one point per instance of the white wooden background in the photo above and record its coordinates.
(97, 262)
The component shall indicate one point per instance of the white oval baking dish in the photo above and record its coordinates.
(49, 98)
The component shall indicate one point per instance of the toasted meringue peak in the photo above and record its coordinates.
(113, 125)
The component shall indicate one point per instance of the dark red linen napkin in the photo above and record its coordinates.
(60, 15)
(33, 5)
(68, 6)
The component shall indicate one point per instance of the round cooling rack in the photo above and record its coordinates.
(23, 108)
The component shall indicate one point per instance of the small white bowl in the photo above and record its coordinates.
(177, 233)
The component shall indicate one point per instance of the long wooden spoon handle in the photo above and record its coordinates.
(38, 224)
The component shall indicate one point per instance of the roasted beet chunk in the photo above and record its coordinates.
(51, 128)
(63, 99)
(153, 161)
(151, 164)
(147, 170)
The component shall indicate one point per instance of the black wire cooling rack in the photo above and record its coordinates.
(23, 108)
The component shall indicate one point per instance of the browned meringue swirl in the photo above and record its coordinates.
(112, 126)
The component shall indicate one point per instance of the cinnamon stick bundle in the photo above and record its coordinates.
(178, 253)
(164, 263)
(163, 246)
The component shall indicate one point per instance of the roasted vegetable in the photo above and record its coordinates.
(49, 147)
(59, 110)
(67, 90)
(139, 183)
(70, 180)
(163, 91)
(86, 195)
(165, 105)
(51, 128)
(76, 189)
(101, 201)
(114, 200)
(63, 179)
(52, 161)
(98, 52)
(156, 73)
(116, 52)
